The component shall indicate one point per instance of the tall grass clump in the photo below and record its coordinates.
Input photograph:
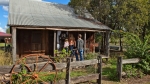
(5, 58)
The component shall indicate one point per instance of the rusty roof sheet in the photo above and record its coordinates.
(2, 34)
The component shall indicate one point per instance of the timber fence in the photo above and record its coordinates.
(68, 66)
(121, 62)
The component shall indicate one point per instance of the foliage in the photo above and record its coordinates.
(5, 58)
(126, 15)
(60, 55)
(8, 30)
(137, 48)
(74, 73)
(98, 37)
(20, 78)
(91, 55)
(25, 77)
(110, 69)
(131, 71)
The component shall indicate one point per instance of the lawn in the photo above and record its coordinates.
(2, 44)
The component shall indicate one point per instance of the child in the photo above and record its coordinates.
(66, 45)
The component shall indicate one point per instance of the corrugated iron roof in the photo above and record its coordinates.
(44, 14)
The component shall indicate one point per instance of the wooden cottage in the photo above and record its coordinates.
(40, 27)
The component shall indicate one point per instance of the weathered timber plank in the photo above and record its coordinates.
(5, 69)
(68, 71)
(83, 63)
(119, 68)
(61, 82)
(14, 44)
(59, 66)
(85, 42)
(81, 79)
(129, 61)
(54, 47)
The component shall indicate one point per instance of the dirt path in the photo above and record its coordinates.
(143, 80)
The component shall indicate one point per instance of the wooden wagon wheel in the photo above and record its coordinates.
(34, 73)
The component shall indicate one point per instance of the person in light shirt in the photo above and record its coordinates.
(66, 45)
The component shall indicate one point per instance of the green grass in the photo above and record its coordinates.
(2, 44)
(19, 78)
(110, 69)
(5, 58)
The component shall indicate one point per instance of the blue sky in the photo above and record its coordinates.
(4, 11)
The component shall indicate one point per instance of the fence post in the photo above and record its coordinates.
(99, 64)
(119, 67)
(68, 71)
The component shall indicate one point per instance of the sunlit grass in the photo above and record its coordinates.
(5, 58)
(2, 44)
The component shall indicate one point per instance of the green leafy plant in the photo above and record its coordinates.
(132, 71)
(91, 55)
(137, 48)
(20, 76)
(25, 77)
(61, 55)
(110, 69)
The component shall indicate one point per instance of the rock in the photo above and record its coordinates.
(124, 74)
(63, 70)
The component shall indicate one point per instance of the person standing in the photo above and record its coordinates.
(66, 45)
(72, 44)
(80, 47)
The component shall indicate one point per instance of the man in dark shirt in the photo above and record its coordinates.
(80, 47)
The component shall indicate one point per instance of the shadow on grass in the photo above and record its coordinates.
(110, 73)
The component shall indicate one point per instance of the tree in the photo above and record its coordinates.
(138, 48)
(128, 15)
(124, 15)
(8, 30)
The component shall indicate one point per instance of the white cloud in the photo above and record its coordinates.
(6, 16)
(6, 27)
(2, 30)
(5, 8)
(4, 2)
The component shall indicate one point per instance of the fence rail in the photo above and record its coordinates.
(121, 61)
(68, 66)
(59, 66)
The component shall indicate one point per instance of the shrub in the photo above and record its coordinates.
(131, 71)
(61, 55)
(137, 48)
(91, 55)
